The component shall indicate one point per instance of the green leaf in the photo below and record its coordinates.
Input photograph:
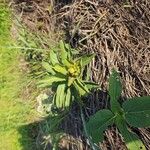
(70, 81)
(115, 89)
(48, 67)
(86, 59)
(68, 98)
(131, 140)
(98, 123)
(60, 69)
(80, 87)
(81, 83)
(137, 111)
(49, 81)
(60, 96)
(53, 58)
(69, 50)
(91, 85)
(64, 53)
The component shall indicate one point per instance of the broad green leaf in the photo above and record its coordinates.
(48, 67)
(86, 59)
(80, 87)
(137, 111)
(60, 69)
(132, 141)
(98, 123)
(60, 96)
(115, 89)
(91, 85)
(49, 81)
(53, 57)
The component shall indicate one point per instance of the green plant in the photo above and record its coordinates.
(134, 112)
(64, 76)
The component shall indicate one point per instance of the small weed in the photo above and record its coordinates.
(64, 76)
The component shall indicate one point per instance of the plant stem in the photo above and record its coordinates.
(93, 146)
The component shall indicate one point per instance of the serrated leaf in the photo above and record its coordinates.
(91, 85)
(60, 69)
(53, 58)
(47, 82)
(115, 89)
(98, 123)
(132, 141)
(48, 67)
(137, 111)
(86, 59)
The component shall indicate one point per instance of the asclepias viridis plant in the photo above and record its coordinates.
(64, 76)
(134, 112)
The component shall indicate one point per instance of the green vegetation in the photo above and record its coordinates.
(65, 78)
(134, 112)
(64, 75)
(14, 112)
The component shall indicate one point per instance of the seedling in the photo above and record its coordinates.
(65, 76)
(134, 112)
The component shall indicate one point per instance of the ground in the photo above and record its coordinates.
(116, 31)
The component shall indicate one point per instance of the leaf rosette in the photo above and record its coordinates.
(64, 76)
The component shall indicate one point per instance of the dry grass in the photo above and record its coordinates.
(120, 37)
(117, 32)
